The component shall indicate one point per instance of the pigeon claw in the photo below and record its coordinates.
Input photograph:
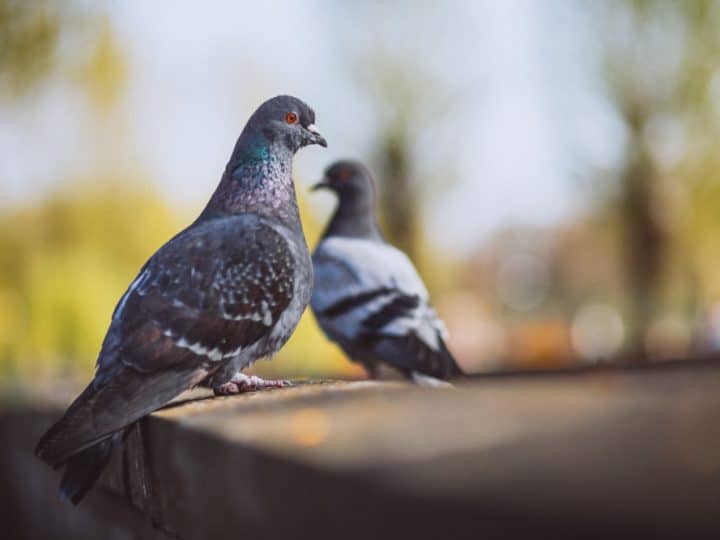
(241, 383)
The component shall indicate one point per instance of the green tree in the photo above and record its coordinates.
(659, 61)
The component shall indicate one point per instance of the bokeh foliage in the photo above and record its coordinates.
(660, 62)
(29, 33)
(645, 246)
(64, 263)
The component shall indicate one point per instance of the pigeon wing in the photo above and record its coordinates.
(363, 286)
(369, 298)
(214, 290)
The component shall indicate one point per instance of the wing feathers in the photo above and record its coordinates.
(99, 413)
(209, 293)
(398, 307)
(369, 298)
(348, 303)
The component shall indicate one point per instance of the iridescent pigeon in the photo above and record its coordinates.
(224, 292)
(367, 296)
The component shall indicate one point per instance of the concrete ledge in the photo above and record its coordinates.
(597, 455)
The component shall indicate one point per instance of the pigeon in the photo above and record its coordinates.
(367, 296)
(227, 290)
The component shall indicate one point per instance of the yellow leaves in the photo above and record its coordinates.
(106, 71)
(28, 38)
(43, 38)
(68, 302)
(64, 265)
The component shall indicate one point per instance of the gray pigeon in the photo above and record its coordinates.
(224, 292)
(367, 295)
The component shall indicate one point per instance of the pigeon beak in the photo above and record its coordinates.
(315, 137)
(322, 184)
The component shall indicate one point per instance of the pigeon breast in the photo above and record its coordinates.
(213, 291)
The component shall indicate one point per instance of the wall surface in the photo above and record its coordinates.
(609, 454)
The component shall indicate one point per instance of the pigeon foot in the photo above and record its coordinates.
(247, 383)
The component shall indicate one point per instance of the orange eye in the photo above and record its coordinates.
(291, 118)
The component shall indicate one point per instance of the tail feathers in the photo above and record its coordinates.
(99, 413)
(84, 468)
(450, 365)
(58, 432)
(428, 381)
(411, 354)
(84, 437)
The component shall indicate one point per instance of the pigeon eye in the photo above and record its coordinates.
(291, 118)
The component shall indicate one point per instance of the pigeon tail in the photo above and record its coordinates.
(450, 365)
(98, 414)
(84, 468)
(428, 381)
(410, 354)
(53, 437)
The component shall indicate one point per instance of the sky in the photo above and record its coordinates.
(527, 120)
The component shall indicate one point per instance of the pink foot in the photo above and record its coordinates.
(247, 383)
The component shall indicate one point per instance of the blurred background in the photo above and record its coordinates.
(553, 168)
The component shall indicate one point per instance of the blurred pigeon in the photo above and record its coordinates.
(367, 295)
(224, 292)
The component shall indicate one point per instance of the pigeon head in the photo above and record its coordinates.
(350, 180)
(258, 176)
(355, 188)
(285, 120)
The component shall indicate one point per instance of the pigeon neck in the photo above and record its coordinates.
(354, 218)
(258, 180)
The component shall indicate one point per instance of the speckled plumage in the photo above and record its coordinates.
(263, 186)
(224, 292)
(368, 297)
